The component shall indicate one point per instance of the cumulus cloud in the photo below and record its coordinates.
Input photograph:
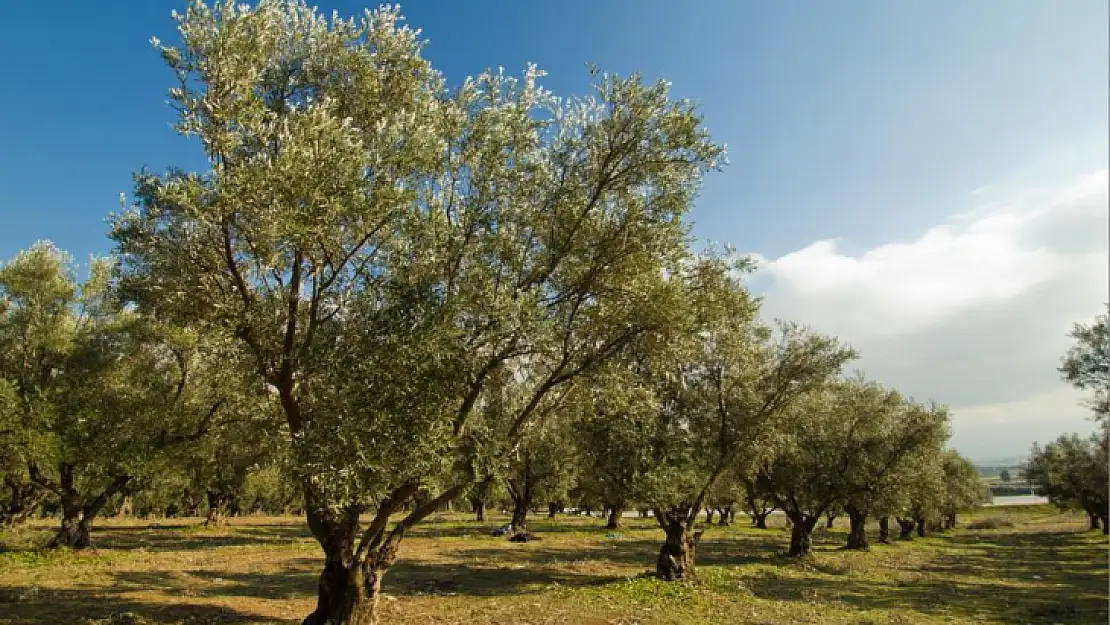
(973, 313)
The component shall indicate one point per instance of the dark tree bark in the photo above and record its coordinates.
(724, 515)
(801, 534)
(884, 529)
(553, 508)
(614, 521)
(905, 528)
(1092, 518)
(708, 516)
(731, 515)
(520, 515)
(759, 519)
(857, 535)
(643, 513)
(676, 559)
(1105, 525)
(829, 519)
(922, 529)
(78, 512)
(479, 508)
(23, 500)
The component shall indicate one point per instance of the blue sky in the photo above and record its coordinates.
(854, 120)
(866, 122)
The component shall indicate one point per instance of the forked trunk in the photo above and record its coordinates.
(74, 532)
(23, 500)
(801, 535)
(347, 591)
(884, 529)
(614, 519)
(905, 528)
(676, 557)
(857, 535)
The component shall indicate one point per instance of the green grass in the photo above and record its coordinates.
(1037, 566)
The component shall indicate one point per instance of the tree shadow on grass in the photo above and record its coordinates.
(189, 538)
(39, 607)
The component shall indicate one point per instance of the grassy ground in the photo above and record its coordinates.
(1043, 569)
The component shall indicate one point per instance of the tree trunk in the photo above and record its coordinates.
(801, 535)
(676, 557)
(74, 532)
(732, 515)
(857, 535)
(553, 508)
(921, 528)
(479, 508)
(884, 529)
(1093, 519)
(643, 513)
(708, 516)
(614, 518)
(905, 531)
(950, 521)
(22, 503)
(829, 519)
(520, 515)
(348, 591)
(759, 519)
(217, 505)
(1105, 525)
(724, 514)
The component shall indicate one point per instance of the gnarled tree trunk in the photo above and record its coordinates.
(520, 515)
(801, 534)
(23, 500)
(77, 512)
(759, 519)
(905, 527)
(676, 557)
(857, 534)
(724, 515)
(884, 529)
(614, 521)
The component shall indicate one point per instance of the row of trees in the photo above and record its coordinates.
(1074, 471)
(394, 295)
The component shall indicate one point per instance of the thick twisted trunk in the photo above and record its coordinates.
(77, 512)
(884, 529)
(801, 534)
(346, 595)
(857, 534)
(676, 557)
(614, 521)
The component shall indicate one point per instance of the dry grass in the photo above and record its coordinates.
(1044, 569)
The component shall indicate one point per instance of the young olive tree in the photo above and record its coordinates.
(963, 489)
(380, 246)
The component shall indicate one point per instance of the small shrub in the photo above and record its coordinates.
(990, 523)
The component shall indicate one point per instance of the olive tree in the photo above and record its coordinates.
(102, 393)
(1072, 472)
(1086, 365)
(380, 246)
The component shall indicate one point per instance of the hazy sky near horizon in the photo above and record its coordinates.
(927, 180)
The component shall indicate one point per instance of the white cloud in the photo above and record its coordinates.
(973, 313)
